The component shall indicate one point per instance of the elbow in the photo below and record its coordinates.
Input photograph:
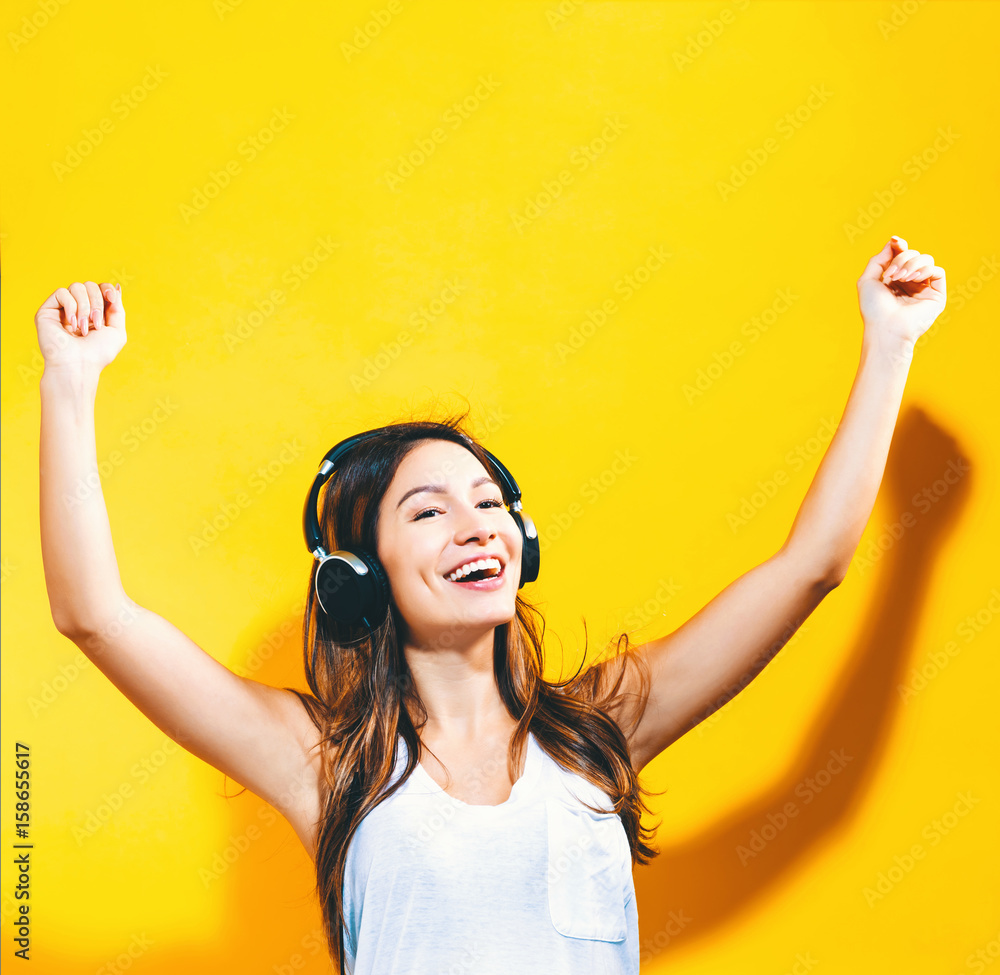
(824, 573)
(86, 631)
(63, 623)
(71, 629)
(65, 613)
(829, 585)
(832, 578)
(836, 568)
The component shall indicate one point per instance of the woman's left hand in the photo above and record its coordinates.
(901, 292)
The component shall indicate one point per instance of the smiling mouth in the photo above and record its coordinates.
(486, 579)
(477, 570)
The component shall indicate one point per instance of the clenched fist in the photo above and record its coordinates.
(83, 324)
(901, 291)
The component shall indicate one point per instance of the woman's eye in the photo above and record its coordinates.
(428, 511)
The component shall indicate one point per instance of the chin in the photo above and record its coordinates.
(491, 616)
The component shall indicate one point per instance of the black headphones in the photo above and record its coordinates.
(351, 587)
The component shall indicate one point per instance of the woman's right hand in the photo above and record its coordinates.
(83, 324)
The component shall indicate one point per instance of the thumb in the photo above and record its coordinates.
(114, 312)
(875, 267)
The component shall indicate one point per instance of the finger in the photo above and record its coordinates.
(103, 322)
(66, 303)
(898, 261)
(96, 305)
(79, 291)
(894, 265)
(936, 280)
(914, 268)
(114, 313)
(910, 271)
(878, 262)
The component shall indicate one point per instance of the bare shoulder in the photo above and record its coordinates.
(619, 685)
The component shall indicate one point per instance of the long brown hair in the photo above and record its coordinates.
(363, 696)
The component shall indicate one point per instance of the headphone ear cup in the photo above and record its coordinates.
(377, 606)
(530, 548)
(352, 587)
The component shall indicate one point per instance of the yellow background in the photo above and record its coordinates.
(183, 88)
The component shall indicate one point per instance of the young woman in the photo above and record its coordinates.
(463, 813)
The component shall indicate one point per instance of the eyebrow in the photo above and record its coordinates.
(438, 489)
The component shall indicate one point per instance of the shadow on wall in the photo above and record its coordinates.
(691, 889)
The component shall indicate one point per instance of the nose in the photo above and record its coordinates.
(475, 525)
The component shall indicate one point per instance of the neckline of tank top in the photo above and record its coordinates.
(529, 774)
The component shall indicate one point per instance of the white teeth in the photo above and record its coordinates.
(469, 567)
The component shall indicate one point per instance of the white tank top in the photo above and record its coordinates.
(539, 883)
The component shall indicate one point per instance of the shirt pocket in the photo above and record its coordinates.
(586, 856)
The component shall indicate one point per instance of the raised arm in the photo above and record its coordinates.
(257, 734)
(703, 664)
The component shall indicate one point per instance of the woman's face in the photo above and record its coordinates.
(441, 511)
